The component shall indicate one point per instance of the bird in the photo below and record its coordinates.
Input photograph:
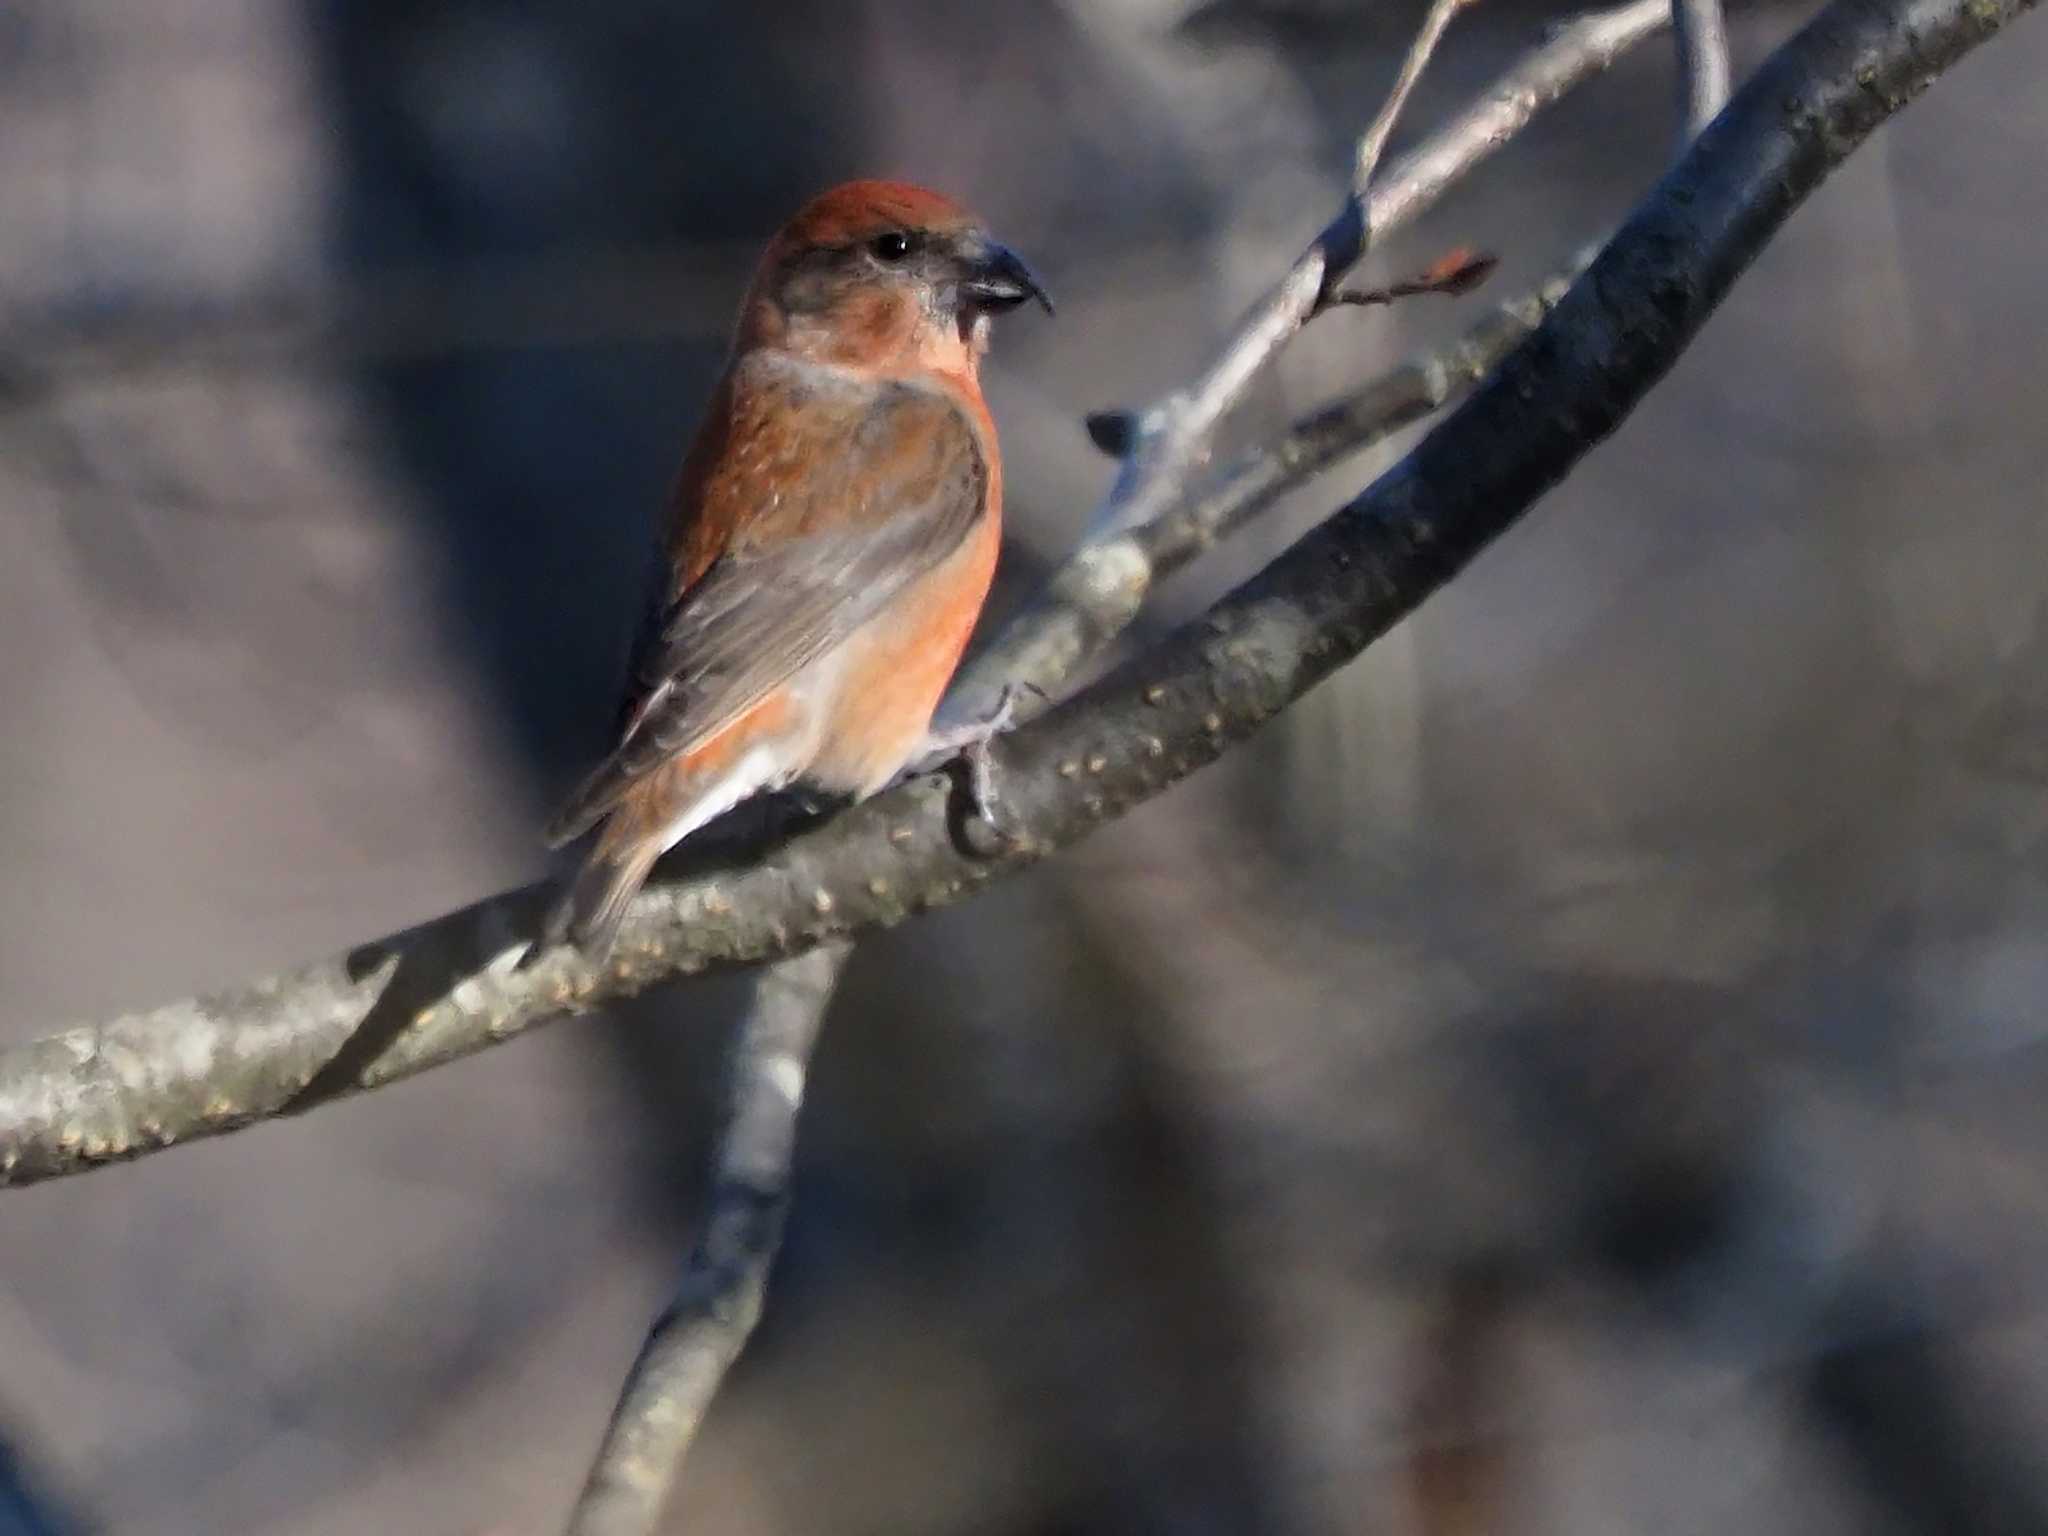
(830, 539)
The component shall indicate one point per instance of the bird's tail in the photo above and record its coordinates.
(593, 904)
(650, 819)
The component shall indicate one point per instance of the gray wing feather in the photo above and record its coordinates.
(758, 616)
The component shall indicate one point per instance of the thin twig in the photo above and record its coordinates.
(1373, 143)
(696, 1340)
(1451, 275)
(1099, 589)
(1166, 439)
(1574, 52)
(1354, 421)
(1701, 33)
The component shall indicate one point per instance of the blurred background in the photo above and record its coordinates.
(1577, 1072)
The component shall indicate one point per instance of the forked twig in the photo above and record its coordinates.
(1373, 142)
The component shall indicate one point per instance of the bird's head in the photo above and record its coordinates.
(884, 274)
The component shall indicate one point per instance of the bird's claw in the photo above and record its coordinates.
(981, 780)
(970, 743)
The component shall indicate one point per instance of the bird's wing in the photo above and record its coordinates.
(834, 520)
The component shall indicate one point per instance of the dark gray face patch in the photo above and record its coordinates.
(924, 265)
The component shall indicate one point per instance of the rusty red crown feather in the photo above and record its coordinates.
(856, 210)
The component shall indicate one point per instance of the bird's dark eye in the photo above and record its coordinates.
(896, 245)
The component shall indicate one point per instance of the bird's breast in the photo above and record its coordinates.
(894, 670)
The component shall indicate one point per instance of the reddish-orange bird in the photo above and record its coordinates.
(831, 537)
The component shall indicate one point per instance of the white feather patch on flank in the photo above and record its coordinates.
(762, 767)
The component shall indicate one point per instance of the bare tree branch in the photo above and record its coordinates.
(1701, 32)
(697, 1338)
(1098, 591)
(1165, 440)
(96, 1094)
(1165, 445)
(1373, 142)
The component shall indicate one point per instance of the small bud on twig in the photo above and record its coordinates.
(1457, 271)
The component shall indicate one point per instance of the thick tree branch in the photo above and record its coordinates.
(92, 1095)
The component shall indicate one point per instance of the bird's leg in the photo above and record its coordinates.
(969, 743)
